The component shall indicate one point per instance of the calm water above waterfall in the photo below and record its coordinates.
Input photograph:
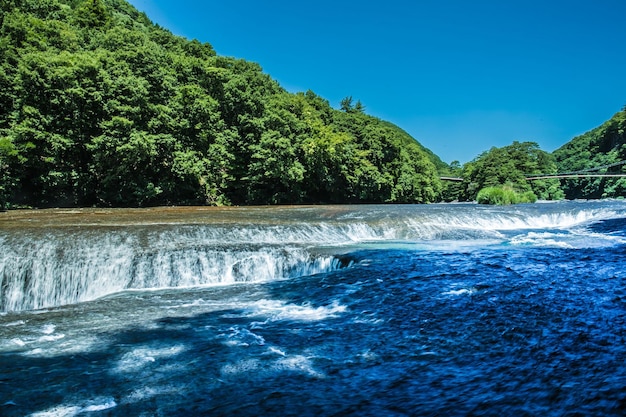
(330, 310)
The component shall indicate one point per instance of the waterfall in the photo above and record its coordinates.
(52, 257)
(59, 267)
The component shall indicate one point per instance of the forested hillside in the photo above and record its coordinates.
(99, 106)
(508, 167)
(603, 147)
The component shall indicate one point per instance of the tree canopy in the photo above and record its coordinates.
(603, 147)
(509, 166)
(99, 106)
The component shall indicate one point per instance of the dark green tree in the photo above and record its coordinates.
(346, 104)
(510, 166)
(92, 14)
(98, 106)
(601, 151)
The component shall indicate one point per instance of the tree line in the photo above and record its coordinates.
(499, 172)
(604, 146)
(504, 170)
(101, 107)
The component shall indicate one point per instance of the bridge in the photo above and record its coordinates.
(574, 176)
(591, 172)
(548, 176)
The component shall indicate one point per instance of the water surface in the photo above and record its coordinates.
(323, 310)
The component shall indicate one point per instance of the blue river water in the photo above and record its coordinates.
(454, 309)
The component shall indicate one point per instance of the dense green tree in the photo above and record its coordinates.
(603, 147)
(391, 166)
(509, 166)
(91, 14)
(452, 189)
(7, 179)
(98, 106)
(346, 104)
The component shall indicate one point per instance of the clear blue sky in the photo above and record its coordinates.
(460, 76)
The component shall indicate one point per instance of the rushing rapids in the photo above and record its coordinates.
(354, 310)
(64, 268)
(61, 257)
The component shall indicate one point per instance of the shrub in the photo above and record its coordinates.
(504, 195)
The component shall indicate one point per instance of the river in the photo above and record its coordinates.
(373, 310)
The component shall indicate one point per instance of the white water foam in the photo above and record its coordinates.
(276, 310)
(48, 272)
(18, 342)
(460, 291)
(493, 221)
(14, 323)
(577, 238)
(237, 336)
(297, 363)
(141, 357)
(42, 268)
(284, 363)
(88, 406)
(48, 329)
(147, 392)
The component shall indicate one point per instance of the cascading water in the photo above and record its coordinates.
(451, 309)
(66, 266)
(62, 263)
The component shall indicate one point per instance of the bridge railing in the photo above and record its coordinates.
(590, 172)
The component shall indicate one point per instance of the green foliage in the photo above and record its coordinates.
(91, 14)
(451, 190)
(98, 106)
(510, 166)
(384, 163)
(504, 195)
(346, 104)
(7, 182)
(604, 146)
